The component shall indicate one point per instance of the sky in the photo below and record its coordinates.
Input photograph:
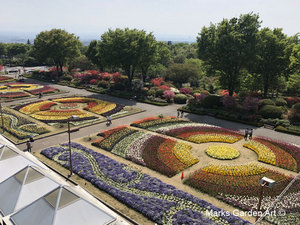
(167, 19)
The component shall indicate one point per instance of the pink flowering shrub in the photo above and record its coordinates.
(185, 91)
(168, 95)
(201, 97)
(228, 101)
(93, 81)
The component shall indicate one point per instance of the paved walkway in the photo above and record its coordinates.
(150, 110)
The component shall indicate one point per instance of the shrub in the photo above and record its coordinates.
(93, 81)
(292, 100)
(280, 102)
(270, 111)
(296, 106)
(168, 95)
(102, 83)
(264, 102)
(294, 113)
(164, 87)
(67, 77)
(212, 101)
(226, 92)
(185, 91)
(201, 97)
(251, 104)
(152, 91)
(159, 93)
(228, 101)
(180, 99)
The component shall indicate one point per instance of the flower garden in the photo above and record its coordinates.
(156, 200)
(20, 127)
(239, 186)
(235, 184)
(4, 79)
(222, 152)
(19, 90)
(59, 110)
(189, 131)
(162, 154)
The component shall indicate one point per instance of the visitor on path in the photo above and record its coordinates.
(178, 113)
(40, 95)
(250, 134)
(246, 134)
(109, 120)
(182, 114)
(29, 146)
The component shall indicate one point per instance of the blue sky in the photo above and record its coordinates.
(165, 18)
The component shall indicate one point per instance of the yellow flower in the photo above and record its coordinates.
(182, 152)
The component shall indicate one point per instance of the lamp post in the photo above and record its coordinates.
(263, 182)
(72, 118)
(2, 120)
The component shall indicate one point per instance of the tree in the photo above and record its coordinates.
(271, 63)
(93, 54)
(228, 47)
(182, 73)
(56, 45)
(128, 49)
(3, 51)
(81, 62)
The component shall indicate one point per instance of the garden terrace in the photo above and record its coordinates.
(158, 201)
(58, 110)
(239, 186)
(162, 154)
(189, 131)
(13, 91)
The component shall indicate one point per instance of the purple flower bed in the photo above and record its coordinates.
(118, 108)
(145, 194)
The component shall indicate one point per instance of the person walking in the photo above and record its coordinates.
(181, 114)
(178, 113)
(29, 146)
(250, 134)
(246, 134)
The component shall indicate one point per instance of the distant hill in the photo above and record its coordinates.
(19, 37)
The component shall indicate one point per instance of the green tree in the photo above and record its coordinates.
(3, 51)
(81, 62)
(56, 45)
(93, 54)
(129, 49)
(271, 62)
(229, 47)
(15, 49)
(182, 73)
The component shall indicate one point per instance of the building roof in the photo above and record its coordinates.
(32, 194)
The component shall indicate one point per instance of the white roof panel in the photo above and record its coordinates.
(82, 213)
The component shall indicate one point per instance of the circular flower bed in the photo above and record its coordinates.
(68, 106)
(222, 152)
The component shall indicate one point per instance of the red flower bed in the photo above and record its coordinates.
(152, 159)
(215, 184)
(14, 95)
(287, 155)
(47, 106)
(90, 105)
(109, 132)
(150, 118)
(45, 89)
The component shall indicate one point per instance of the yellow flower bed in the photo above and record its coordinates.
(34, 107)
(102, 107)
(63, 115)
(240, 170)
(264, 153)
(202, 138)
(182, 152)
(17, 88)
(222, 152)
